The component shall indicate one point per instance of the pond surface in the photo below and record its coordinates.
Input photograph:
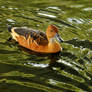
(72, 71)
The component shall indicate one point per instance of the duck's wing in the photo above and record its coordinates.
(38, 36)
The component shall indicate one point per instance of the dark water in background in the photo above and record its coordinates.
(20, 71)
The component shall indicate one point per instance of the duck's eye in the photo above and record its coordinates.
(51, 30)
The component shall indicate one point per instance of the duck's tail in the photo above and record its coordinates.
(9, 28)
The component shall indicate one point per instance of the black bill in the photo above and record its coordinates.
(59, 38)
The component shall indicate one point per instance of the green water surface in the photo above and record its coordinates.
(24, 72)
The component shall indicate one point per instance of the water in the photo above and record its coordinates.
(71, 71)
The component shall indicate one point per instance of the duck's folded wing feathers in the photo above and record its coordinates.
(38, 36)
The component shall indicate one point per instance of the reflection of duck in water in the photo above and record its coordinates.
(53, 57)
(37, 41)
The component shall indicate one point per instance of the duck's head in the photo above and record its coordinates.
(52, 33)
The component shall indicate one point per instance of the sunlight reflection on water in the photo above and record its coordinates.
(47, 15)
(88, 9)
(77, 21)
(39, 65)
(56, 8)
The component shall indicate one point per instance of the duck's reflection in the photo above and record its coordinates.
(53, 57)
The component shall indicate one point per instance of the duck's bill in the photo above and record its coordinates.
(59, 38)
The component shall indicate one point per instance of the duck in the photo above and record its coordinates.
(38, 41)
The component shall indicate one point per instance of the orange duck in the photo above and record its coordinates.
(37, 41)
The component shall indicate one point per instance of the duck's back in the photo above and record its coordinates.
(29, 38)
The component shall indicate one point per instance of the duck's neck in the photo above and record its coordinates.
(53, 45)
(51, 40)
